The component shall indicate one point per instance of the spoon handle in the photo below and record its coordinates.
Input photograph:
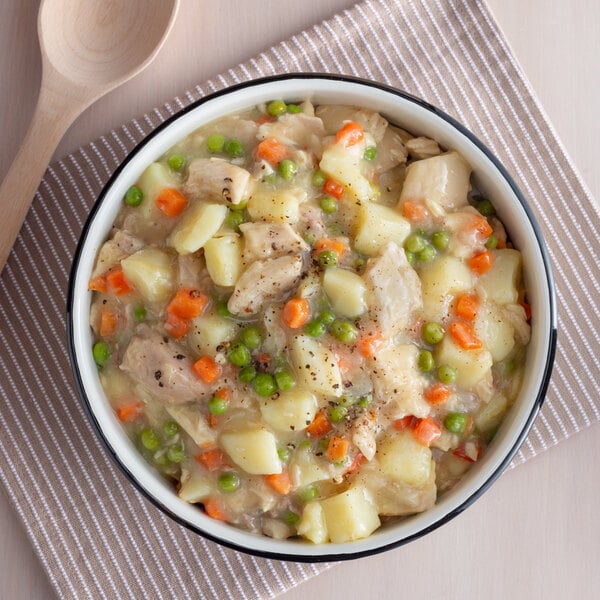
(51, 118)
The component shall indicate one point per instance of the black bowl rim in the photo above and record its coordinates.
(552, 334)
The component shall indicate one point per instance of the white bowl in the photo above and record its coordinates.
(419, 118)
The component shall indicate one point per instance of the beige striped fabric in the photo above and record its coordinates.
(95, 535)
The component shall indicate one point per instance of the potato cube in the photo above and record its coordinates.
(276, 206)
(501, 282)
(199, 223)
(152, 181)
(195, 487)
(401, 458)
(293, 410)
(305, 469)
(312, 525)
(253, 449)
(496, 332)
(378, 225)
(471, 365)
(210, 331)
(223, 257)
(346, 290)
(152, 273)
(491, 414)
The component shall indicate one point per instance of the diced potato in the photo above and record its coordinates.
(443, 179)
(315, 366)
(501, 281)
(440, 279)
(350, 515)
(199, 223)
(403, 459)
(293, 410)
(152, 272)
(276, 206)
(193, 422)
(471, 365)
(210, 331)
(378, 225)
(312, 525)
(491, 414)
(152, 181)
(305, 469)
(116, 383)
(496, 332)
(346, 290)
(253, 449)
(223, 257)
(195, 487)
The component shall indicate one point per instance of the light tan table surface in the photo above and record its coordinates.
(536, 533)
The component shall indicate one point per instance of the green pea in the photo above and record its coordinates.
(433, 333)
(426, 361)
(364, 401)
(271, 178)
(344, 331)
(455, 422)
(446, 374)
(359, 263)
(276, 108)
(133, 196)
(370, 153)
(440, 239)
(150, 439)
(234, 148)
(247, 374)
(338, 413)
(239, 355)
(326, 317)
(234, 219)
(283, 453)
(415, 243)
(229, 481)
(264, 384)
(215, 143)
(222, 310)
(294, 109)
(161, 459)
(318, 178)
(492, 242)
(290, 517)
(411, 257)
(427, 254)
(176, 453)
(217, 406)
(101, 353)
(309, 237)
(176, 162)
(285, 380)
(486, 208)
(322, 444)
(287, 168)
(315, 328)
(304, 445)
(251, 337)
(170, 428)
(346, 400)
(328, 258)
(139, 313)
(308, 493)
(328, 205)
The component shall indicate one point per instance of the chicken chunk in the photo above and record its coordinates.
(161, 367)
(216, 180)
(334, 117)
(393, 290)
(264, 281)
(295, 130)
(270, 240)
(121, 245)
(194, 423)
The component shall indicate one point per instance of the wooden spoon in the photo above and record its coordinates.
(88, 48)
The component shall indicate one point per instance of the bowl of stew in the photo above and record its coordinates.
(311, 317)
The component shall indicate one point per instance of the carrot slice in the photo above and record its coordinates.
(213, 509)
(527, 309)
(337, 449)
(467, 306)
(117, 283)
(212, 459)
(108, 322)
(98, 284)
(129, 412)
(414, 212)
(481, 263)
(334, 188)
(271, 150)
(356, 463)
(437, 393)
(280, 482)
(175, 326)
(296, 313)
(187, 303)
(350, 133)
(320, 425)
(462, 333)
(407, 422)
(171, 202)
(330, 244)
(481, 225)
(206, 369)
(427, 431)
(368, 344)
(264, 119)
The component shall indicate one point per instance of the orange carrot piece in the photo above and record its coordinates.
(330, 244)
(129, 412)
(468, 450)
(117, 283)
(175, 326)
(350, 133)
(334, 188)
(427, 431)
(527, 309)
(320, 425)
(264, 119)
(407, 422)
(224, 393)
(271, 150)
(187, 303)
(337, 448)
(463, 334)
(212, 421)
(171, 202)
(280, 482)
(213, 509)
(212, 459)
(356, 463)
(108, 322)
(206, 369)
(98, 284)
(481, 263)
(368, 344)
(414, 212)
(296, 313)
(480, 224)
(437, 393)
(467, 306)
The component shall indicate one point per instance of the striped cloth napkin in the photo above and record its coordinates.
(95, 535)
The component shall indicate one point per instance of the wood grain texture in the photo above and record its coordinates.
(536, 533)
